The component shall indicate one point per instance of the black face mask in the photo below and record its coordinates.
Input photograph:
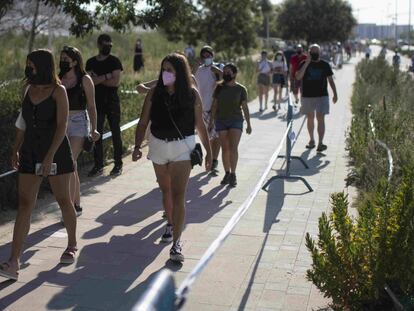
(299, 52)
(227, 77)
(314, 56)
(28, 72)
(64, 68)
(106, 50)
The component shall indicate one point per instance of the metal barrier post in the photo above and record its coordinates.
(288, 155)
(160, 294)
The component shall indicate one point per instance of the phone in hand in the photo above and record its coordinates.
(39, 170)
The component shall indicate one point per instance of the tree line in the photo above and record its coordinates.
(232, 27)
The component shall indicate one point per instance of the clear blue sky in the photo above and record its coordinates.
(379, 11)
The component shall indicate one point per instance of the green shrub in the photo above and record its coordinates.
(353, 259)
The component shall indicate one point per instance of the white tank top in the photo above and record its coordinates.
(206, 81)
(264, 66)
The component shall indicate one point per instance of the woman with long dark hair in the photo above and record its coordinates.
(42, 149)
(82, 110)
(229, 107)
(174, 108)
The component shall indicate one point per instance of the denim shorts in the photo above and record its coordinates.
(225, 125)
(78, 125)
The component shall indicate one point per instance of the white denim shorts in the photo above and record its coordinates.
(162, 152)
(78, 125)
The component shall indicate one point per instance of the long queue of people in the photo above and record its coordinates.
(61, 113)
(308, 75)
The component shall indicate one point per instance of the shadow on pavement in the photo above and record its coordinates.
(273, 208)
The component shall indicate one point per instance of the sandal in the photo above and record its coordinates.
(7, 271)
(310, 145)
(69, 255)
(321, 147)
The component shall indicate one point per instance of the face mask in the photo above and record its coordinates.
(279, 58)
(227, 77)
(168, 78)
(314, 56)
(34, 78)
(28, 72)
(299, 52)
(64, 68)
(208, 61)
(106, 50)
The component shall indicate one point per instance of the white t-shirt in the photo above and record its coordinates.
(265, 66)
(280, 66)
(206, 81)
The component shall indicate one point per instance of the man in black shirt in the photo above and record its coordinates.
(105, 70)
(315, 75)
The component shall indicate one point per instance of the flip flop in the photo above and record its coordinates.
(310, 145)
(8, 272)
(69, 255)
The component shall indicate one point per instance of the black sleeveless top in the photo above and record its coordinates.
(183, 115)
(40, 122)
(76, 96)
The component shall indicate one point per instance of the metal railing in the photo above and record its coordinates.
(159, 291)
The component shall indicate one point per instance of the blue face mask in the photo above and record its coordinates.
(208, 61)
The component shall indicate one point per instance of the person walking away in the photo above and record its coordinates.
(279, 69)
(41, 149)
(82, 111)
(315, 73)
(175, 110)
(264, 70)
(295, 61)
(367, 52)
(207, 76)
(138, 57)
(396, 60)
(105, 70)
(230, 99)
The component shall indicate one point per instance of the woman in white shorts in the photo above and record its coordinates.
(174, 108)
(82, 110)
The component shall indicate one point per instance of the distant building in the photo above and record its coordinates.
(374, 31)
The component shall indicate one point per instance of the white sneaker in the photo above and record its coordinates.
(176, 252)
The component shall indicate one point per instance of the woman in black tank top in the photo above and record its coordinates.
(81, 95)
(43, 142)
(174, 108)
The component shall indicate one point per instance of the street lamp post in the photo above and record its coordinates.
(409, 24)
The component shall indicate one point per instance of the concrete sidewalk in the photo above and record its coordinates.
(261, 266)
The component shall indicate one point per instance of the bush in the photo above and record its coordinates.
(353, 259)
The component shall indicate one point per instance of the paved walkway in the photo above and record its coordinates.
(261, 266)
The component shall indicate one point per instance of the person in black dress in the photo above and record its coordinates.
(138, 60)
(42, 149)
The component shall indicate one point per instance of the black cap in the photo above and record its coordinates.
(207, 49)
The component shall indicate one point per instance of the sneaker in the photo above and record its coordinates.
(176, 252)
(232, 180)
(167, 237)
(116, 171)
(321, 147)
(78, 210)
(310, 145)
(226, 179)
(95, 171)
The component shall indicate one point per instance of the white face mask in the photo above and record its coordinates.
(279, 58)
(208, 61)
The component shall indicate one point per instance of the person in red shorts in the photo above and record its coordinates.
(295, 62)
